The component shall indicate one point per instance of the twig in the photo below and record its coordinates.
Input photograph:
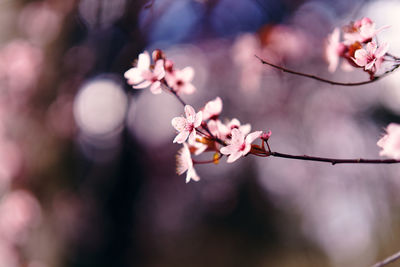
(326, 80)
(388, 260)
(334, 161)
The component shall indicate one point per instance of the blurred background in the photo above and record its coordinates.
(87, 171)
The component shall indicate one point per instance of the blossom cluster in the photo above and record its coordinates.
(359, 47)
(200, 131)
(203, 131)
(161, 73)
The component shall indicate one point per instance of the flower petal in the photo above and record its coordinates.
(237, 137)
(179, 123)
(382, 49)
(158, 71)
(187, 74)
(134, 75)
(155, 88)
(144, 61)
(192, 136)
(253, 136)
(370, 64)
(181, 137)
(190, 113)
(229, 149)
(142, 85)
(360, 57)
(233, 157)
(371, 47)
(198, 119)
(188, 89)
(191, 174)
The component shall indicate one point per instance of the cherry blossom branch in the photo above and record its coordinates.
(388, 260)
(261, 152)
(176, 95)
(374, 79)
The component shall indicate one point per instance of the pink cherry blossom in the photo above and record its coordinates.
(197, 147)
(266, 136)
(239, 145)
(142, 76)
(187, 126)
(334, 49)
(390, 142)
(212, 109)
(218, 129)
(180, 80)
(224, 131)
(371, 57)
(235, 123)
(362, 31)
(184, 163)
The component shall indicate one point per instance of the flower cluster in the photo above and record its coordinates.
(204, 131)
(359, 47)
(161, 73)
(200, 131)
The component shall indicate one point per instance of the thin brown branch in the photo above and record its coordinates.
(388, 260)
(334, 161)
(314, 77)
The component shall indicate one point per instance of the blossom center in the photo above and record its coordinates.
(189, 127)
(242, 147)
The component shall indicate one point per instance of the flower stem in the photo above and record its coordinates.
(374, 79)
(334, 161)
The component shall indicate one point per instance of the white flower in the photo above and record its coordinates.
(239, 145)
(184, 163)
(187, 126)
(180, 80)
(371, 57)
(141, 76)
(212, 109)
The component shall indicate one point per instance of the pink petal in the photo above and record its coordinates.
(156, 88)
(134, 75)
(181, 137)
(360, 57)
(237, 137)
(226, 150)
(142, 85)
(144, 61)
(187, 74)
(245, 129)
(188, 89)
(253, 136)
(233, 157)
(247, 149)
(190, 112)
(370, 65)
(192, 136)
(382, 49)
(170, 79)
(159, 69)
(371, 47)
(191, 174)
(198, 120)
(179, 123)
(382, 142)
